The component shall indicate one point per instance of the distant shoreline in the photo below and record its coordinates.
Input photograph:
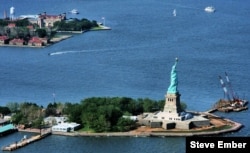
(59, 37)
(53, 40)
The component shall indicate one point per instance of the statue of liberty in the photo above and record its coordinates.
(173, 79)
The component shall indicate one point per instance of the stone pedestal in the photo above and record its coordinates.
(172, 103)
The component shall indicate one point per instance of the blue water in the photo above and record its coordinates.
(133, 59)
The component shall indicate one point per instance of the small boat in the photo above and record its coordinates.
(210, 9)
(74, 11)
(174, 12)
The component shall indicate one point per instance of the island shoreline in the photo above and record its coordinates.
(59, 37)
(164, 133)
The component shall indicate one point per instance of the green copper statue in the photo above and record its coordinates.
(173, 79)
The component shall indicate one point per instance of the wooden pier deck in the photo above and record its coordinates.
(25, 141)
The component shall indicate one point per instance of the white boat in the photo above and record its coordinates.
(174, 12)
(210, 9)
(74, 11)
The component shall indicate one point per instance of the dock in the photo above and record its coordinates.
(25, 141)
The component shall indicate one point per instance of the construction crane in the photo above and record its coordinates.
(233, 102)
(230, 94)
(224, 88)
(233, 94)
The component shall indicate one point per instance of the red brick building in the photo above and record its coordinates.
(18, 42)
(36, 41)
(45, 20)
(4, 40)
(11, 25)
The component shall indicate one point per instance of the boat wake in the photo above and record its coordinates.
(60, 53)
(79, 51)
(94, 50)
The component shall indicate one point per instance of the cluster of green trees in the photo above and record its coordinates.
(75, 25)
(22, 31)
(98, 114)
(19, 31)
(4, 110)
(101, 114)
(28, 114)
(19, 23)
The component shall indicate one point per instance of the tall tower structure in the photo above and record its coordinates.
(4, 14)
(172, 98)
(12, 13)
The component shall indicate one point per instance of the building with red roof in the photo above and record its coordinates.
(35, 41)
(18, 42)
(45, 20)
(11, 25)
(4, 40)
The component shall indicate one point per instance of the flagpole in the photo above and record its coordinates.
(103, 18)
(54, 97)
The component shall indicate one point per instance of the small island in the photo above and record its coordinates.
(113, 116)
(43, 29)
(120, 116)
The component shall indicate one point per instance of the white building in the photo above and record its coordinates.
(134, 118)
(55, 120)
(65, 127)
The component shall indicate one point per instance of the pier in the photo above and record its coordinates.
(25, 141)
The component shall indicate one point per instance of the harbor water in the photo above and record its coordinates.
(133, 59)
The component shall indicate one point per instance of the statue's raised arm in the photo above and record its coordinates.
(173, 79)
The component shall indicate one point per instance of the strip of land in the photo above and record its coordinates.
(220, 126)
(62, 35)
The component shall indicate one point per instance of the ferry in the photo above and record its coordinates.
(74, 11)
(210, 9)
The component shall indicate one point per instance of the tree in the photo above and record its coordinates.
(74, 25)
(94, 23)
(37, 123)
(147, 105)
(125, 124)
(13, 106)
(54, 109)
(75, 112)
(17, 118)
(41, 33)
(4, 110)
(8, 31)
(22, 32)
(22, 23)
(101, 124)
(183, 106)
(28, 114)
(3, 22)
